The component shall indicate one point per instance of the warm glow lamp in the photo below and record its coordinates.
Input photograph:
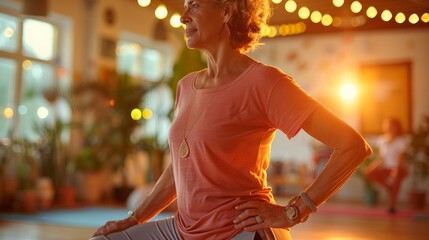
(348, 91)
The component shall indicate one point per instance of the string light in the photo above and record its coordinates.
(338, 3)
(143, 3)
(425, 18)
(316, 16)
(386, 15)
(337, 21)
(400, 18)
(371, 12)
(290, 6)
(284, 29)
(175, 20)
(161, 12)
(304, 13)
(356, 7)
(413, 19)
(327, 20)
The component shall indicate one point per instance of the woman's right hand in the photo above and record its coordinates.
(115, 226)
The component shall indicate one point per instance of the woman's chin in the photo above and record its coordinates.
(191, 45)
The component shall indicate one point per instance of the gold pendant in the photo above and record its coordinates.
(183, 149)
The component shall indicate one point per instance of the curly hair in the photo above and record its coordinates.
(246, 22)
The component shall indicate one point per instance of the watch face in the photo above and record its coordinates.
(291, 212)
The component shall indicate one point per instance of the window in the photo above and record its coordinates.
(9, 33)
(148, 62)
(31, 70)
(38, 39)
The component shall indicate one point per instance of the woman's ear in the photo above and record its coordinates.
(228, 9)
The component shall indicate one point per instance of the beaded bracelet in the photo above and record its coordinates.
(308, 202)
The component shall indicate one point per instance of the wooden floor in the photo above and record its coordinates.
(318, 227)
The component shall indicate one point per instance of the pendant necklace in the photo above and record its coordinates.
(184, 147)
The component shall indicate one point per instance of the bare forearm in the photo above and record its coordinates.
(163, 193)
(341, 165)
(350, 149)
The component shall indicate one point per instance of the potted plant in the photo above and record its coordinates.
(8, 182)
(87, 166)
(418, 157)
(25, 157)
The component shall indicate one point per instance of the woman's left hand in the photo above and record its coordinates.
(257, 215)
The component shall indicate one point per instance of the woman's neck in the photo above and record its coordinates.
(222, 68)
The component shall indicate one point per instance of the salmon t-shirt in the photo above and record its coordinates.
(229, 130)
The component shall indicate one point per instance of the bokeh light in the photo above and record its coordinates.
(338, 3)
(42, 112)
(413, 19)
(143, 3)
(147, 113)
(400, 17)
(161, 12)
(8, 113)
(348, 91)
(386, 15)
(356, 7)
(371, 12)
(304, 13)
(316, 16)
(290, 6)
(136, 114)
(175, 20)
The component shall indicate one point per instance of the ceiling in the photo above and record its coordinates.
(281, 16)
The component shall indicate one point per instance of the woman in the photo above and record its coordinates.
(224, 122)
(389, 169)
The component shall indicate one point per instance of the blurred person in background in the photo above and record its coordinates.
(389, 168)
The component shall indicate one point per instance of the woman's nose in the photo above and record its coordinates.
(184, 19)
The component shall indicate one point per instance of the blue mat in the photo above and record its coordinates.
(90, 217)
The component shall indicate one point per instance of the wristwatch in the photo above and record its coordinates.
(292, 212)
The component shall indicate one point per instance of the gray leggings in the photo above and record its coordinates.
(158, 230)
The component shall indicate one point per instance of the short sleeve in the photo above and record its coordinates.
(289, 106)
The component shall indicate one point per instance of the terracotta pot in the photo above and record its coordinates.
(66, 196)
(45, 192)
(90, 186)
(27, 201)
